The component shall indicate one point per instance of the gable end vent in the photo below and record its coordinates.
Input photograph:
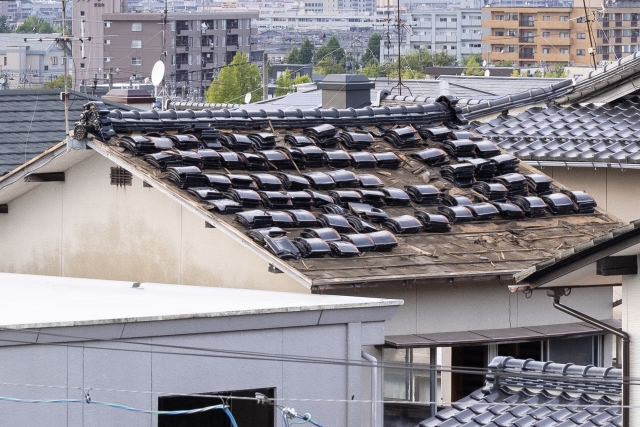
(120, 176)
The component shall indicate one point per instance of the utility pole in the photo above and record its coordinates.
(265, 76)
(592, 49)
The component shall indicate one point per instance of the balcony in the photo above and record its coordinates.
(526, 55)
(527, 23)
(526, 39)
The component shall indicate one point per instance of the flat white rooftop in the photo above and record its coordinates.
(30, 301)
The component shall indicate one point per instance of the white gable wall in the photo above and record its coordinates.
(86, 227)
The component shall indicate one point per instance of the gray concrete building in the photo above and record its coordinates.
(129, 44)
(153, 346)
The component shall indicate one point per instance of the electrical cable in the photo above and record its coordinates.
(244, 355)
(89, 401)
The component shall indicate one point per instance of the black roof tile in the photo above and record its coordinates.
(524, 393)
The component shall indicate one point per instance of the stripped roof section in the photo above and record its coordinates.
(487, 248)
(529, 393)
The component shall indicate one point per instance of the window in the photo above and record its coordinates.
(512, 16)
(46, 68)
(136, 61)
(454, 47)
(626, 17)
(512, 33)
(5, 60)
(546, 50)
(564, 18)
(82, 65)
(82, 13)
(546, 18)
(499, 17)
(475, 45)
(546, 34)
(136, 26)
(454, 19)
(54, 60)
(107, 24)
(499, 33)
(580, 52)
(564, 50)
(136, 44)
(600, 34)
(512, 48)
(443, 19)
(580, 20)
(564, 34)
(581, 36)
(106, 59)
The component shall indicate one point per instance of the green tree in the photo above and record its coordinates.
(4, 27)
(516, 73)
(538, 73)
(327, 66)
(373, 49)
(333, 50)
(293, 57)
(301, 80)
(234, 81)
(442, 59)
(34, 25)
(306, 52)
(473, 68)
(474, 56)
(284, 85)
(58, 82)
(371, 70)
(504, 64)
(557, 71)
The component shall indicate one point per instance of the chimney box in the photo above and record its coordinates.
(346, 91)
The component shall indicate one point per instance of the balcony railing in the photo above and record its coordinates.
(526, 55)
(527, 23)
(526, 39)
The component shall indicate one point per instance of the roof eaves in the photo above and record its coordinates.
(206, 216)
(581, 255)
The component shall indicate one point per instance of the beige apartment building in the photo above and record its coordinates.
(535, 37)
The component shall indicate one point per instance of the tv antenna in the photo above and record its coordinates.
(64, 41)
(400, 25)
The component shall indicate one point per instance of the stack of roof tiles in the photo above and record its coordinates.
(538, 394)
(358, 198)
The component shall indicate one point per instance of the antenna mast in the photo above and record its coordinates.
(400, 85)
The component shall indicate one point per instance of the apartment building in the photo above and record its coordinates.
(456, 32)
(197, 45)
(533, 37)
(31, 62)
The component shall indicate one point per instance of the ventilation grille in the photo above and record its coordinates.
(120, 176)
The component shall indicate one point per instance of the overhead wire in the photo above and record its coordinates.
(246, 355)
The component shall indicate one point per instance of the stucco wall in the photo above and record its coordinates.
(616, 191)
(86, 227)
(140, 369)
(474, 306)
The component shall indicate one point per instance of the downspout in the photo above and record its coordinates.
(556, 294)
(374, 387)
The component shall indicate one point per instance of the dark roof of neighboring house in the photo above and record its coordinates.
(491, 247)
(589, 133)
(602, 85)
(527, 393)
(32, 121)
(470, 90)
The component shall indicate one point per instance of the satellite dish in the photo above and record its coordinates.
(2, 81)
(157, 74)
(247, 98)
(487, 73)
(484, 63)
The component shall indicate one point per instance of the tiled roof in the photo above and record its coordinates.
(526, 393)
(499, 86)
(371, 175)
(32, 121)
(590, 133)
